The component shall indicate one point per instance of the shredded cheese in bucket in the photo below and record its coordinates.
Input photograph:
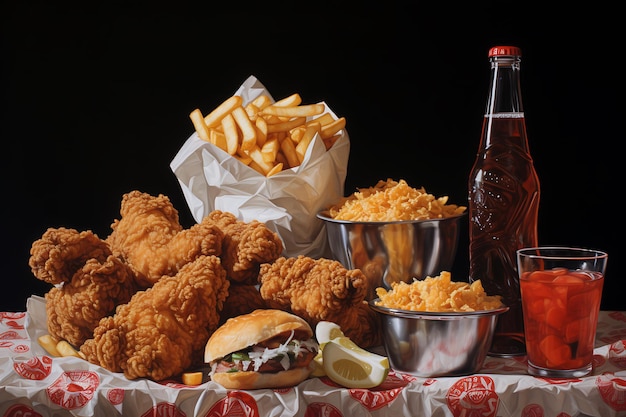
(438, 294)
(392, 201)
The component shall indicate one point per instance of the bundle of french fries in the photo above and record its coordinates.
(268, 137)
(57, 347)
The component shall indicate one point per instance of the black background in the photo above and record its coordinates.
(95, 103)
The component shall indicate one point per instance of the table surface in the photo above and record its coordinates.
(33, 383)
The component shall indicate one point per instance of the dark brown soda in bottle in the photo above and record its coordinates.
(503, 199)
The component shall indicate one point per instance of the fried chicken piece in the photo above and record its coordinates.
(89, 281)
(314, 289)
(246, 246)
(322, 289)
(149, 237)
(74, 309)
(362, 325)
(242, 299)
(61, 252)
(163, 330)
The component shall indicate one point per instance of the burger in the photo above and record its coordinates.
(266, 348)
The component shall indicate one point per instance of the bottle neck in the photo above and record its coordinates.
(505, 98)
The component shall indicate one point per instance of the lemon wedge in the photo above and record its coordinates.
(351, 366)
(349, 344)
(326, 331)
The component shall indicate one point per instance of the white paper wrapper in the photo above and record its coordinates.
(32, 382)
(286, 202)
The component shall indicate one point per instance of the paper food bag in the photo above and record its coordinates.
(287, 202)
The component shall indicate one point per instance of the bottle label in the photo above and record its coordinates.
(507, 115)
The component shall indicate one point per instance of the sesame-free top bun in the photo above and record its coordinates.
(245, 330)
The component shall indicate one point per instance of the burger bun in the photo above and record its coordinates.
(259, 380)
(239, 332)
(246, 330)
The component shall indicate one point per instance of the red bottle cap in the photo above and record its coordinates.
(505, 51)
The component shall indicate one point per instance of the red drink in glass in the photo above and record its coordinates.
(561, 306)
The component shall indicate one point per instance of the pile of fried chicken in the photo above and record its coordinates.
(145, 300)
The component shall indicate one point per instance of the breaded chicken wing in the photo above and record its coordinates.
(314, 289)
(311, 288)
(322, 289)
(163, 330)
(246, 246)
(60, 252)
(149, 237)
(89, 281)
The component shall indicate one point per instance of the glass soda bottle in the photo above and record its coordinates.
(503, 198)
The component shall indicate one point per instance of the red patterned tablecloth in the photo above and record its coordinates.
(32, 384)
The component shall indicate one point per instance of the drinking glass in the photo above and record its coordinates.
(561, 290)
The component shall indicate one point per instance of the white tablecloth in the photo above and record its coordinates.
(32, 383)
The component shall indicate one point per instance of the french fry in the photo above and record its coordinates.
(49, 343)
(218, 139)
(279, 135)
(270, 149)
(252, 111)
(248, 130)
(292, 100)
(261, 101)
(270, 120)
(268, 137)
(198, 122)
(243, 156)
(304, 110)
(323, 120)
(257, 157)
(261, 131)
(332, 128)
(285, 126)
(65, 349)
(231, 134)
(289, 150)
(277, 168)
(244, 159)
(258, 168)
(306, 139)
(215, 117)
(296, 133)
(192, 378)
(280, 159)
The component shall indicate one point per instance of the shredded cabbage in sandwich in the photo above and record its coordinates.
(260, 355)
